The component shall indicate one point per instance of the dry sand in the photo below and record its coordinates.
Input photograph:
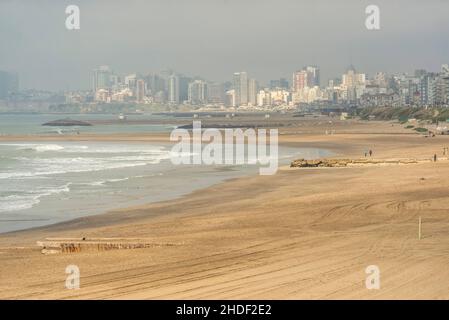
(302, 233)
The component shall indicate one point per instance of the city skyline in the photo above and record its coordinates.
(266, 83)
(270, 40)
(171, 89)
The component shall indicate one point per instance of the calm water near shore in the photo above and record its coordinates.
(43, 183)
(29, 124)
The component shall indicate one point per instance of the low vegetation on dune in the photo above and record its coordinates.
(402, 114)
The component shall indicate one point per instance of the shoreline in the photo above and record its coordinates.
(298, 234)
(162, 139)
(288, 138)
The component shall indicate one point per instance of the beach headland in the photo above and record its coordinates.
(302, 233)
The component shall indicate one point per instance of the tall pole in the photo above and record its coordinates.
(419, 228)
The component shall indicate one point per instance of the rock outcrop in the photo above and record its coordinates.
(303, 163)
(66, 123)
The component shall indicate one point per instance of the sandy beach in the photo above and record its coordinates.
(304, 233)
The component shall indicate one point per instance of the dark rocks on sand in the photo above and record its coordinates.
(303, 163)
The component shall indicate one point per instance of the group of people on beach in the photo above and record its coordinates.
(445, 152)
(370, 152)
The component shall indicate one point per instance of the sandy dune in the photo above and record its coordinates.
(303, 233)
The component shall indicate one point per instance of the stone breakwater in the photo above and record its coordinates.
(303, 163)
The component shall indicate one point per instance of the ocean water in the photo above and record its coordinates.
(29, 124)
(43, 183)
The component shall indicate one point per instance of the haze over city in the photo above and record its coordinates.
(214, 39)
(224, 149)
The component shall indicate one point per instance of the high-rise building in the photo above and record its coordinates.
(420, 73)
(275, 84)
(313, 76)
(442, 90)
(442, 86)
(215, 93)
(197, 92)
(413, 91)
(308, 77)
(184, 88)
(445, 69)
(9, 83)
(131, 81)
(353, 83)
(252, 92)
(446, 90)
(241, 88)
(349, 79)
(140, 90)
(281, 83)
(155, 83)
(101, 78)
(173, 89)
(299, 80)
(230, 99)
(115, 82)
(427, 89)
(380, 79)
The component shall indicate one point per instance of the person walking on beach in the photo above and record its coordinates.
(434, 158)
(371, 153)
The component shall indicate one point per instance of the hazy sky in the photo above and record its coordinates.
(214, 38)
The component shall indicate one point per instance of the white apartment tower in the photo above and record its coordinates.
(241, 88)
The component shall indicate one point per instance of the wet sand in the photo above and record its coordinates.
(302, 233)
